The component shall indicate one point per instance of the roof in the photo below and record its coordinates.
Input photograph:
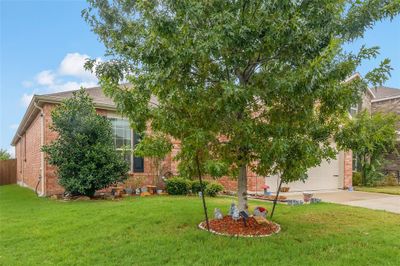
(383, 93)
(100, 101)
(95, 93)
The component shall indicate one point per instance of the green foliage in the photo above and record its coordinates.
(389, 180)
(356, 179)
(4, 155)
(196, 187)
(370, 138)
(177, 186)
(84, 152)
(244, 83)
(154, 147)
(212, 189)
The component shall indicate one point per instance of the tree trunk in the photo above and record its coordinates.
(202, 191)
(276, 198)
(242, 189)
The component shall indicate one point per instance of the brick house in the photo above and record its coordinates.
(387, 100)
(34, 131)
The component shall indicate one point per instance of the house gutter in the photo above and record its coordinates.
(42, 176)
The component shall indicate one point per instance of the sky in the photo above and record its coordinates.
(43, 45)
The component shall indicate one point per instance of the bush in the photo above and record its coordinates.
(84, 152)
(212, 189)
(196, 188)
(177, 186)
(388, 180)
(356, 179)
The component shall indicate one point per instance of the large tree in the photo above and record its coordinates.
(246, 83)
(84, 153)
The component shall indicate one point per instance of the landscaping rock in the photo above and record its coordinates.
(315, 200)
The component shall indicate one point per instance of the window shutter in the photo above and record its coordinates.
(138, 162)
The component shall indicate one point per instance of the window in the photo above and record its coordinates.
(124, 140)
(356, 163)
(353, 110)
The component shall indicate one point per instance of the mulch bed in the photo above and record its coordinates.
(228, 226)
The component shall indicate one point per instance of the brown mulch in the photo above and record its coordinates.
(231, 227)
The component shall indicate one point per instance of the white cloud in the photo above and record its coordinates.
(11, 151)
(70, 75)
(14, 126)
(27, 84)
(73, 65)
(71, 85)
(26, 99)
(45, 78)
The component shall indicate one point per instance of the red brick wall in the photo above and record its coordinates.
(28, 155)
(52, 186)
(348, 169)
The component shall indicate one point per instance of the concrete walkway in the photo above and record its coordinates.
(375, 201)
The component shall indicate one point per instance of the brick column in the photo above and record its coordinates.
(348, 170)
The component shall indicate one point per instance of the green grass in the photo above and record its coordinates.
(394, 190)
(163, 230)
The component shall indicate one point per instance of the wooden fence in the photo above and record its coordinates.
(8, 172)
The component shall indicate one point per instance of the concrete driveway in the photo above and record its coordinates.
(375, 201)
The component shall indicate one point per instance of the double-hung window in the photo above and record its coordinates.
(353, 110)
(124, 141)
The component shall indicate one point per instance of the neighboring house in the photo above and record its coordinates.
(387, 100)
(34, 131)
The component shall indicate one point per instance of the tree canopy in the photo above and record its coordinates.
(241, 83)
(4, 155)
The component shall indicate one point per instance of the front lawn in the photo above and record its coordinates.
(163, 230)
(394, 190)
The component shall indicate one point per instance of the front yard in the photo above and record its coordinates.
(163, 230)
(394, 190)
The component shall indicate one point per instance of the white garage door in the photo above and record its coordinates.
(324, 177)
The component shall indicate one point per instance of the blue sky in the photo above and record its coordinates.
(43, 45)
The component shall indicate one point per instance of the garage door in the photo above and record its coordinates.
(324, 177)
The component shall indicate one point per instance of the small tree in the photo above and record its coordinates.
(155, 147)
(84, 153)
(370, 138)
(4, 155)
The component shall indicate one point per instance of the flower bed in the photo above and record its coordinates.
(229, 227)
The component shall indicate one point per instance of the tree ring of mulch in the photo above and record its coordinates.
(229, 227)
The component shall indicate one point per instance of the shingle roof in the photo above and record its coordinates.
(95, 93)
(383, 92)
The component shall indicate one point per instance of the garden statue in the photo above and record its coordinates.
(218, 214)
(232, 209)
(235, 214)
(260, 211)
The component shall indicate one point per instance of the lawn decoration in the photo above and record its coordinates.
(293, 202)
(260, 211)
(218, 214)
(235, 214)
(245, 216)
(266, 192)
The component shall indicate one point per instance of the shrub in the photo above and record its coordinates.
(84, 152)
(196, 188)
(177, 186)
(389, 180)
(212, 189)
(356, 179)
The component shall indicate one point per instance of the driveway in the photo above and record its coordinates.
(375, 201)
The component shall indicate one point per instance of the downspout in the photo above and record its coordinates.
(21, 164)
(42, 177)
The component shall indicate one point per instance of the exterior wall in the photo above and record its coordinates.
(390, 106)
(366, 102)
(135, 179)
(28, 155)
